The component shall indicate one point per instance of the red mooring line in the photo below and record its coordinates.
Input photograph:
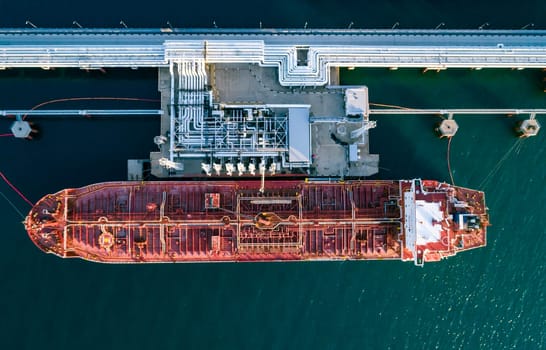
(15, 189)
(449, 160)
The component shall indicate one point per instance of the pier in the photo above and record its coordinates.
(251, 102)
(303, 57)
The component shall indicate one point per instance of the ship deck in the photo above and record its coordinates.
(122, 222)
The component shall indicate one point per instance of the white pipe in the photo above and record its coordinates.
(179, 89)
(266, 106)
(172, 132)
(236, 153)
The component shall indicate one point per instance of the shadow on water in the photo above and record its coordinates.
(401, 145)
(29, 87)
(75, 73)
(452, 88)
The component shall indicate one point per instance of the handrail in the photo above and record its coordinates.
(80, 112)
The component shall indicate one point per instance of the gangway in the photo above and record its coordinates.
(80, 112)
(457, 111)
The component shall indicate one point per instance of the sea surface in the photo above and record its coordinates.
(489, 298)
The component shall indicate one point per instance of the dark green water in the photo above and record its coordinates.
(490, 298)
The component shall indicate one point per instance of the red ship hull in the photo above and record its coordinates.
(206, 221)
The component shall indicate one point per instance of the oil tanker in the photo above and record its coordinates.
(291, 220)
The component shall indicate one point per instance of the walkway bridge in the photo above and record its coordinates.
(303, 56)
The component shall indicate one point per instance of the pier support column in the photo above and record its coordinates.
(21, 129)
(528, 127)
(448, 127)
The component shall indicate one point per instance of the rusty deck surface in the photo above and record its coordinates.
(189, 221)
